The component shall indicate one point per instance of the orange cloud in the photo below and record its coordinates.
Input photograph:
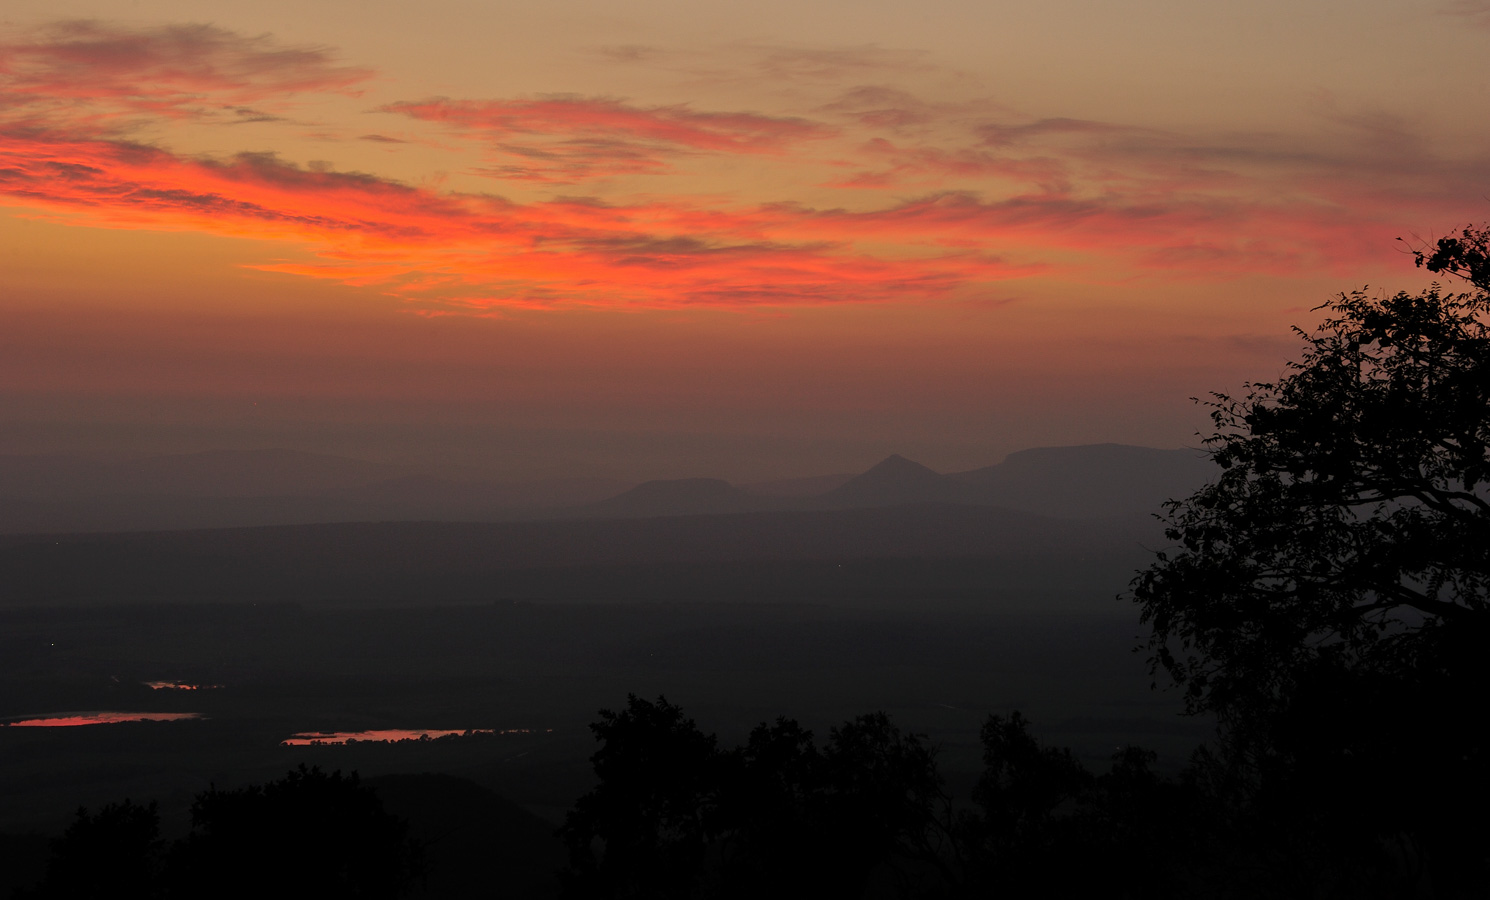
(1176, 235)
(468, 251)
(583, 137)
(986, 196)
(425, 245)
(85, 71)
(933, 166)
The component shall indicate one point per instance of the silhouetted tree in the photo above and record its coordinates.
(1043, 825)
(778, 815)
(675, 816)
(1467, 256)
(308, 834)
(1022, 785)
(1329, 596)
(1143, 836)
(115, 853)
(654, 811)
(885, 805)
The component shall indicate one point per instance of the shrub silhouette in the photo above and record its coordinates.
(655, 810)
(114, 853)
(309, 833)
(675, 816)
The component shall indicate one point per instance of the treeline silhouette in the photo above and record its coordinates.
(867, 813)
(309, 834)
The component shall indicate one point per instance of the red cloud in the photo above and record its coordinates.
(564, 139)
(999, 134)
(1110, 202)
(430, 246)
(934, 166)
(468, 252)
(174, 71)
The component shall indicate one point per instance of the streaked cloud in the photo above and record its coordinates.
(568, 139)
(933, 166)
(474, 250)
(913, 200)
(833, 63)
(999, 134)
(92, 73)
(1477, 11)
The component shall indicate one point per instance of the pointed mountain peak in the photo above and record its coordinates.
(893, 480)
(895, 463)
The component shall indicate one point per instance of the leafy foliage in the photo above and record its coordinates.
(308, 834)
(1467, 256)
(675, 816)
(116, 852)
(655, 809)
(1351, 523)
(325, 833)
(1328, 597)
(866, 814)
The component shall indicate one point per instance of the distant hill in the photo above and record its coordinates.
(1089, 480)
(810, 486)
(893, 481)
(228, 489)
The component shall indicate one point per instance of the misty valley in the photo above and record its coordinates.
(228, 657)
(895, 684)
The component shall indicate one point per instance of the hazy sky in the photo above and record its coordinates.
(668, 238)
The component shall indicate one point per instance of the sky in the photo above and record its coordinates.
(668, 239)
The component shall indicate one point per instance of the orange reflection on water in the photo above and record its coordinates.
(391, 735)
(63, 720)
(178, 686)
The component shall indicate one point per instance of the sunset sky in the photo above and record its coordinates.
(663, 239)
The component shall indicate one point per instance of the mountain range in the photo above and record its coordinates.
(1089, 481)
(54, 494)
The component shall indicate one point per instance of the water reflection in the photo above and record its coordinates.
(66, 719)
(178, 686)
(391, 735)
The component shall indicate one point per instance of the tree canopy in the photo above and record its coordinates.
(308, 834)
(327, 834)
(673, 815)
(1327, 598)
(1351, 520)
